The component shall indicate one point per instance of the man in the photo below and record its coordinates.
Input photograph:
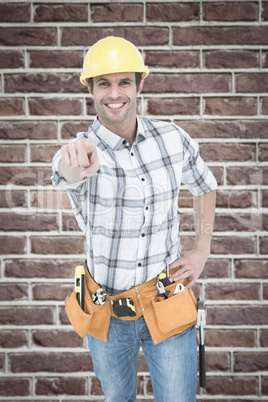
(123, 178)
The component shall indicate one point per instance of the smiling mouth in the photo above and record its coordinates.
(115, 106)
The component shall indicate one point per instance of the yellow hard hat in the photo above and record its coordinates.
(112, 55)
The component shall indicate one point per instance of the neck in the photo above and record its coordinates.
(125, 130)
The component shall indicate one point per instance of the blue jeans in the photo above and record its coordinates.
(172, 363)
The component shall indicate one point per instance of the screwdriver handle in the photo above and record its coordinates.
(202, 366)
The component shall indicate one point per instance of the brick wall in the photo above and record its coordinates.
(209, 74)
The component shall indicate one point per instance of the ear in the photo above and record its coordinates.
(141, 86)
(88, 87)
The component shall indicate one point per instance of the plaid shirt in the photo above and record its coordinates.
(128, 210)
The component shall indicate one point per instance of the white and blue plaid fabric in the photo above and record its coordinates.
(128, 210)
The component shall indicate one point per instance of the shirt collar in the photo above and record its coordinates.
(113, 140)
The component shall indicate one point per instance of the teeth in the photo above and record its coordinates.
(115, 105)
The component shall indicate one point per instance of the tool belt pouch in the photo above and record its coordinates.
(94, 320)
(176, 311)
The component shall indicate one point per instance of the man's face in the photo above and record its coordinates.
(115, 98)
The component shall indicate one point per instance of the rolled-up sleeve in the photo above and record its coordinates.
(196, 175)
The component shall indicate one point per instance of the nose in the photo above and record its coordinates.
(114, 92)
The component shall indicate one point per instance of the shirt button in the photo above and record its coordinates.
(131, 153)
(146, 208)
(142, 179)
(143, 234)
(139, 264)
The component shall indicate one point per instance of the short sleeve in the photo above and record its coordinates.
(196, 175)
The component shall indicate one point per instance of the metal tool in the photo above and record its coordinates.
(80, 285)
(201, 322)
(99, 296)
(178, 289)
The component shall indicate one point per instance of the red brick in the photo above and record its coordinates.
(264, 198)
(51, 292)
(237, 315)
(20, 315)
(225, 129)
(217, 361)
(230, 12)
(238, 222)
(12, 107)
(55, 106)
(216, 269)
(264, 245)
(57, 245)
(60, 385)
(174, 12)
(230, 338)
(170, 106)
(12, 291)
(42, 130)
(232, 385)
(228, 152)
(264, 11)
(54, 362)
(90, 106)
(14, 12)
(55, 59)
(236, 199)
(230, 291)
(12, 386)
(11, 59)
(187, 83)
(116, 12)
(264, 338)
(43, 153)
(264, 106)
(140, 36)
(96, 387)
(13, 338)
(169, 59)
(12, 245)
(251, 269)
(218, 174)
(13, 153)
(50, 200)
(231, 59)
(60, 13)
(51, 268)
(264, 59)
(263, 152)
(25, 176)
(28, 36)
(250, 361)
(56, 339)
(13, 198)
(265, 292)
(24, 222)
(42, 83)
(201, 36)
(69, 223)
(70, 129)
(246, 175)
(233, 245)
(264, 382)
(254, 82)
(231, 106)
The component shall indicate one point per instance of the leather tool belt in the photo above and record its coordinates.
(163, 318)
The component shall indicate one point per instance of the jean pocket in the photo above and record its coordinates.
(175, 311)
(79, 319)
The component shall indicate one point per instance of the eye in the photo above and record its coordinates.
(102, 84)
(125, 83)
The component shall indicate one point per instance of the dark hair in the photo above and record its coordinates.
(138, 78)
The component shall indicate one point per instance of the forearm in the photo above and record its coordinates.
(204, 214)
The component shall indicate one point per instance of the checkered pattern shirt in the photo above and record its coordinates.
(128, 210)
